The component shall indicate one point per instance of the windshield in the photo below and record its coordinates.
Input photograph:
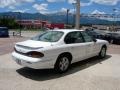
(49, 36)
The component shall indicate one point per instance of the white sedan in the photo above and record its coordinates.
(58, 49)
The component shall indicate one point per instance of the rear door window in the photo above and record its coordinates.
(74, 37)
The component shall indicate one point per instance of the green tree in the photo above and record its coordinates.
(9, 22)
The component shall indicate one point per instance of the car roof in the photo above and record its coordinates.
(67, 30)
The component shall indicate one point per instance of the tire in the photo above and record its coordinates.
(62, 64)
(102, 53)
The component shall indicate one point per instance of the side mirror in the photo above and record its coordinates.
(95, 40)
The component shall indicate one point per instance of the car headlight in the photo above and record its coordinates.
(35, 54)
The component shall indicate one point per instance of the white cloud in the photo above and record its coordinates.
(106, 2)
(116, 10)
(11, 7)
(72, 10)
(97, 12)
(41, 8)
(81, 3)
(63, 9)
(22, 11)
(55, 0)
(85, 4)
(71, 1)
(103, 2)
(8, 3)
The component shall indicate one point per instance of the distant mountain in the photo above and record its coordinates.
(25, 16)
(87, 20)
(62, 18)
(56, 18)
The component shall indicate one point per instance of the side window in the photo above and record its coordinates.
(86, 37)
(73, 37)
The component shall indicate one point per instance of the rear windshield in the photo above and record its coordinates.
(49, 36)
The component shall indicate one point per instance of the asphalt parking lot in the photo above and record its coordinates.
(7, 44)
(91, 74)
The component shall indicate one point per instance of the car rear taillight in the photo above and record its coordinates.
(35, 54)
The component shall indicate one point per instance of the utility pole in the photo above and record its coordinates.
(77, 25)
(20, 24)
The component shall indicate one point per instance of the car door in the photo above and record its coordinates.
(75, 42)
(90, 45)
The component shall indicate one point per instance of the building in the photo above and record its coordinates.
(55, 25)
(37, 24)
(32, 24)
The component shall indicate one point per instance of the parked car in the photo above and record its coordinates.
(58, 49)
(95, 34)
(4, 32)
(113, 37)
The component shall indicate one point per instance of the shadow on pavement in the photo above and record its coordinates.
(48, 74)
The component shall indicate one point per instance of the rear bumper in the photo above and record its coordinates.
(35, 63)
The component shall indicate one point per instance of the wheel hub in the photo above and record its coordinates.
(64, 63)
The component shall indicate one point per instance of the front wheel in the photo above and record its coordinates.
(62, 64)
(102, 53)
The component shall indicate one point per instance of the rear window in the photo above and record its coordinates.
(49, 36)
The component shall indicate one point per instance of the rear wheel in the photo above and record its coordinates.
(62, 64)
(102, 53)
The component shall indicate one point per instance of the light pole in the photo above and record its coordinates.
(20, 24)
(77, 25)
(67, 16)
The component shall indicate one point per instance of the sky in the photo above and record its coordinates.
(53, 6)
